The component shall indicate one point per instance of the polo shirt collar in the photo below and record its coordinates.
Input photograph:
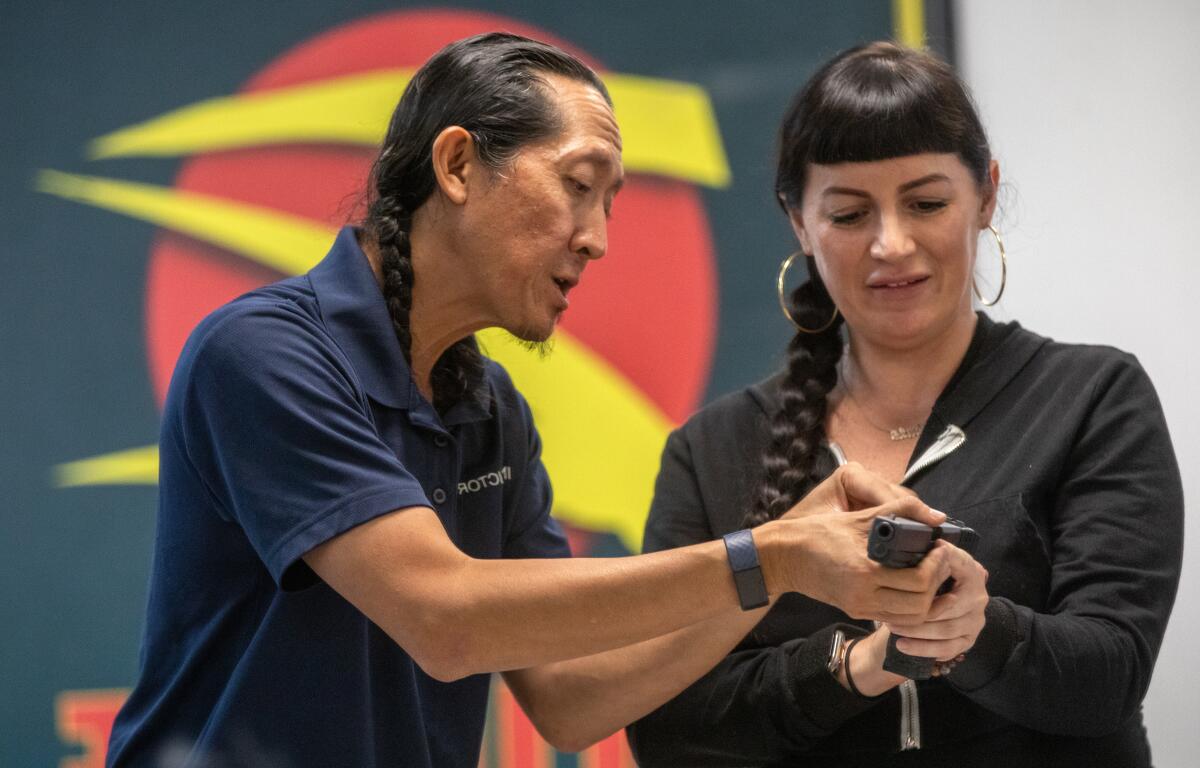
(352, 305)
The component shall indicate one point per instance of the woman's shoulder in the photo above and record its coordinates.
(1064, 371)
(1012, 343)
(1080, 358)
(758, 400)
(738, 418)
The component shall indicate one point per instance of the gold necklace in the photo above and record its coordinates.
(896, 434)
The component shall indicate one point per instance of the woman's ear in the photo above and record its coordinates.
(988, 207)
(454, 162)
(800, 230)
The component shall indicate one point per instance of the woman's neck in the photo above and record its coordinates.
(901, 385)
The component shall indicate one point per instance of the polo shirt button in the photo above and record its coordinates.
(441, 441)
(439, 496)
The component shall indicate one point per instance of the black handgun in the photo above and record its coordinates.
(897, 542)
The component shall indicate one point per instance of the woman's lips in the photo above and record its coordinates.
(897, 284)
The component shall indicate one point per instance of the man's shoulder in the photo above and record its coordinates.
(264, 319)
(255, 341)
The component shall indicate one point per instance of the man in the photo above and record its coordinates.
(328, 589)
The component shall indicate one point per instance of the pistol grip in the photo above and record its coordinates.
(912, 667)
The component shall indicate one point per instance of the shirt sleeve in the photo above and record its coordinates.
(273, 420)
(759, 705)
(1083, 664)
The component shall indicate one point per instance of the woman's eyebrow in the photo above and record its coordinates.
(906, 186)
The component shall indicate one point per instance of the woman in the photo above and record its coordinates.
(1058, 455)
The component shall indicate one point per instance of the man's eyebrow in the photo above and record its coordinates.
(601, 158)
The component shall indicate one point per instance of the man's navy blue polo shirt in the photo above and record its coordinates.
(291, 418)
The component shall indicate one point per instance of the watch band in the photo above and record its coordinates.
(747, 573)
(838, 650)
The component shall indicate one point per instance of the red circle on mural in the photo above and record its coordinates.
(648, 307)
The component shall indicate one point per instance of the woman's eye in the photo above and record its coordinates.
(845, 218)
(929, 206)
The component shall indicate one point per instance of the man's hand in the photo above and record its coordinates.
(851, 487)
(819, 548)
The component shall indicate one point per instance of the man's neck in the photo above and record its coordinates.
(443, 310)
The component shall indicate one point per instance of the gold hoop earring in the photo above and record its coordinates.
(1003, 272)
(783, 268)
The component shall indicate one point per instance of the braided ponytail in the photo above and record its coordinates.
(798, 430)
(390, 222)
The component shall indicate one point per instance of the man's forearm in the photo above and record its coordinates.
(458, 616)
(578, 702)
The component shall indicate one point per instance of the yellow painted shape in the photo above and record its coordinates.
(602, 438)
(603, 457)
(668, 127)
(908, 22)
(346, 110)
(136, 466)
(290, 244)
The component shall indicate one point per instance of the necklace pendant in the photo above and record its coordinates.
(905, 433)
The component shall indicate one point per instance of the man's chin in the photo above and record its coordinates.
(535, 339)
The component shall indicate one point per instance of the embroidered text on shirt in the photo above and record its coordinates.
(486, 481)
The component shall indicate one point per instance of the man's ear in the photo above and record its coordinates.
(801, 232)
(454, 161)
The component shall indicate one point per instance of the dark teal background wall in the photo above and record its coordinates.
(73, 377)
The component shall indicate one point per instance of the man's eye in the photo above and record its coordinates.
(580, 187)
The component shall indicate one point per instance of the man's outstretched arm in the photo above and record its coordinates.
(456, 615)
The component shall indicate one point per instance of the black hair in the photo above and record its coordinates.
(491, 85)
(873, 102)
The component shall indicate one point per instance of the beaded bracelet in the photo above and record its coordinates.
(943, 668)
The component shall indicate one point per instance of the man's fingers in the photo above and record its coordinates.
(863, 488)
(927, 576)
(900, 607)
(912, 508)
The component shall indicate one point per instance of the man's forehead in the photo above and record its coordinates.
(584, 111)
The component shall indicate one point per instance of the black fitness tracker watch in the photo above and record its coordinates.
(747, 573)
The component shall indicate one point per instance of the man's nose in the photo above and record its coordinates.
(591, 238)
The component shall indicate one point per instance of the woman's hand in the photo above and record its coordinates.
(864, 663)
(955, 619)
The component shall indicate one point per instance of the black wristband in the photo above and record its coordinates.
(846, 664)
(747, 573)
(849, 677)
